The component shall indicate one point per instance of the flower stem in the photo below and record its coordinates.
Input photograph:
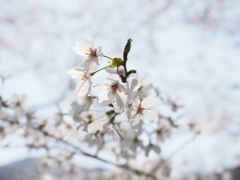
(98, 70)
(107, 57)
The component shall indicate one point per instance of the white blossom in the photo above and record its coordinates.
(112, 129)
(163, 131)
(132, 87)
(89, 51)
(145, 82)
(93, 139)
(84, 84)
(90, 118)
(115, 91)
(141, 88)
(142, 109)
(132, 143)
(18, 104)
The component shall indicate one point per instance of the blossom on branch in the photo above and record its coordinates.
(84, 84)
(19, 105)
(142, 109)
(115, 91)
(112, 129)
(89, 51)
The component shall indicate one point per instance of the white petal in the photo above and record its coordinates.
(81, 48)
(115, 136)
(83, 88)
(146, 79)
(150, 115)
(111, 70)
(77, 118)
(133, 85)
(112, 80)
(131, 97)
(89, 65)
(91, 42)
(137, 118)
(106, 97)
(122, 87)
(107, 128)
(75, 73)
(136, 102)
(149, 101)
(99, 53)
(120, 102)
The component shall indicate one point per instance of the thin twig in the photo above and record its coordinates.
(125, 167)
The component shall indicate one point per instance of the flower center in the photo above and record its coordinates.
(84, 76)
(140, 109)
(18, 103)
(93, 52)
(114, 88)
(140, 88)
(89, 116)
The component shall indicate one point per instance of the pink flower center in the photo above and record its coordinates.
(114, 88)
(140, 110)
(18, 103)
(93, 52)
(89, 116)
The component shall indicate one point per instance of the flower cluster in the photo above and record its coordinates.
(124, 91)
(121, 109)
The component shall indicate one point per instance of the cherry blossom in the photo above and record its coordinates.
(94, 139)
(89, 51)
(132, 87)
(140, 88)
(132, 143)
(163, 132)
(84, 84)
(115, 91)
(91, 118)
(112, 129)
(142, 109)
(145, 82)
(78, 109)
(18, 104)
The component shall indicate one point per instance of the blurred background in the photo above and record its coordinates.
(191, 48)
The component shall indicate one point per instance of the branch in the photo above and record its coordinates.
(125, 167)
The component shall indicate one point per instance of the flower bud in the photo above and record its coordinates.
(115, 62)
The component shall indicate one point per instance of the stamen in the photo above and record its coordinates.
(140, 109)
(84, 76)
(114, 88)
(18, 103)
(89, 116)
(93, 52)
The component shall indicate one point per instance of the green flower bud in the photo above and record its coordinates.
(128, 46)
(115, 62)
